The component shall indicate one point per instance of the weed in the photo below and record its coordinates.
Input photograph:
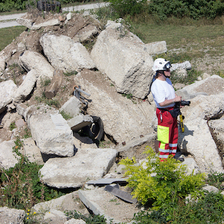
(65, 115)
(27, 133)
(128, 96)
(50, 102)
(12, 126)
(216, 179)
(89, 220)
(20, 186)
(70, 73)
(47, 82)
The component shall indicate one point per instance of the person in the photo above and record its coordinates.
(165, 98)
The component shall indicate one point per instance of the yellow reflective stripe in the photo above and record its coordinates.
(163, 134)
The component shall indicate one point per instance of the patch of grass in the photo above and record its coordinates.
(70, 73)
(7, 35)
(128, 96)
(65, 115)
(89, 220)
(27, 133)
(191, 77)
(50, 102)
(12, 126)
(20, 186)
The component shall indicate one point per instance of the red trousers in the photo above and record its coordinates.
(167, 133)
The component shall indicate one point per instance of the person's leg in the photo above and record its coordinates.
(163, 134)
(173, 137)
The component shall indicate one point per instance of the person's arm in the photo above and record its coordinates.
(168, 102)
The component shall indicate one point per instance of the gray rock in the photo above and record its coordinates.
(75, 171)
(122, 56)
(8, 158)
(80, 121)
(100, 201)
(7, 90)
(158, 47)
(11, 215)
(64, 54)
(26, 87)
(71, 107)
(32, 152)
(123, 119)
(51, 133)
(32, 60)
(210, 188)
(197, 138)
(75, 221)
(184, 65)
(210, 86)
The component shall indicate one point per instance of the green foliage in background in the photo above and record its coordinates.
(163, 9)
(128, 7)
(185, 8)
(161, 183)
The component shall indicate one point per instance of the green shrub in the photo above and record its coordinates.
(208, 209)
(162, 183)
(128, 7)
(185, 8)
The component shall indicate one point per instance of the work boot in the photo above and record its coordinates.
(178, 156)
(181, 159)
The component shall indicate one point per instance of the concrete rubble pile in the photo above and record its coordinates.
(119, 65)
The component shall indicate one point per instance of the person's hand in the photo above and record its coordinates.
(177, 98)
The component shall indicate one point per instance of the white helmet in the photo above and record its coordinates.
(160, 64)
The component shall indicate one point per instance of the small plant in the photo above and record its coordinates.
(161, 183)
(70, 73)
(12, 126)
(65, 115)
(128, 96)
(216, 179)
(89, 220)
(27, 133)
(47, 82)
(30, 218)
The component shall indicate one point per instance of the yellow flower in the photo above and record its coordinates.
(27, 213)
(27, 218)
(28, 210)
(34, 213)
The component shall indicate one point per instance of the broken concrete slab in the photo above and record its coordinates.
(31, 151)
(11, 215)
(137, 146)
(80, 121)
(120, 194)
(7, 90)
(105, 181)
(71, 107)
(51, 132)
(73, 172)
(100, 202)
(7, 157)
(158, 47)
